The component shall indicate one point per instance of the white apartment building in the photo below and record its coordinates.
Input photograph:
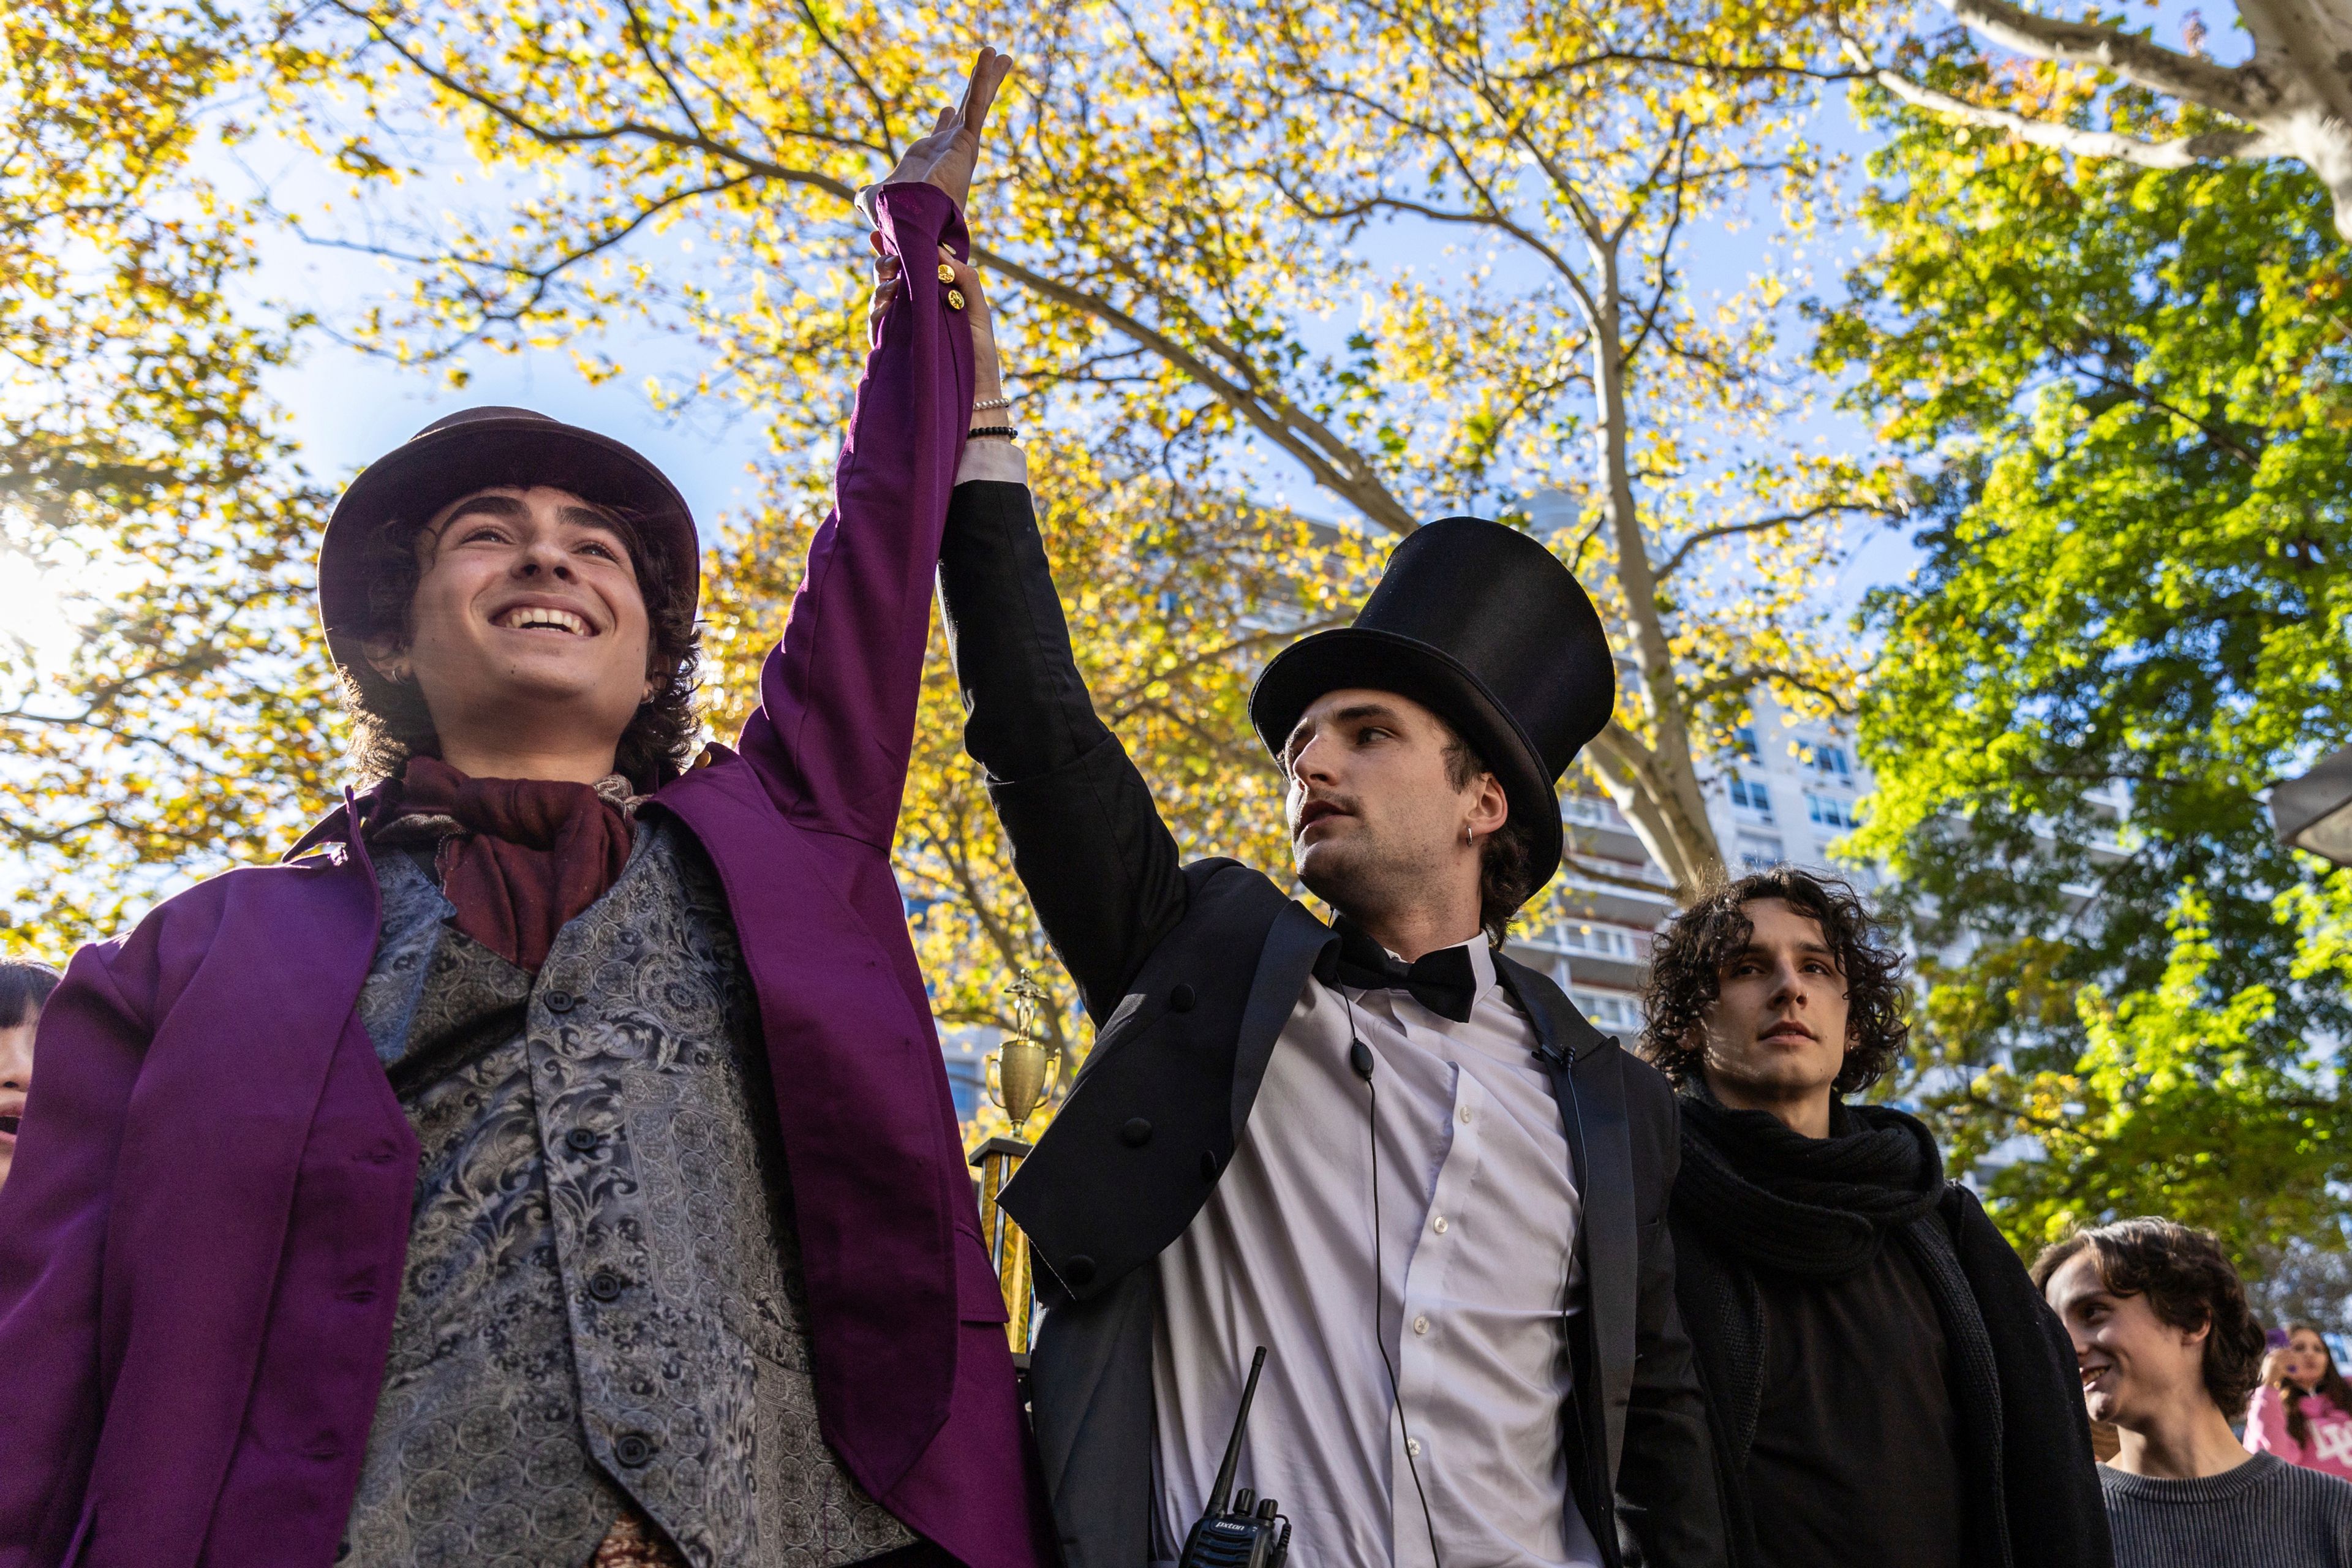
(1787, 796)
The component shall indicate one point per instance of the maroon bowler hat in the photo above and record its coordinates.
(479, 449)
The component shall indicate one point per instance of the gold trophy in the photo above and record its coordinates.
(1020, 1075)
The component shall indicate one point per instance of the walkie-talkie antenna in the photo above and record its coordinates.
(1233, 1445)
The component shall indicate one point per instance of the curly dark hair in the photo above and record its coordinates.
(391, 724)
(1686, 973)
(2189, 1282)
(1505, 860)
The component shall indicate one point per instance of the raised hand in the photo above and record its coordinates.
(946, 156)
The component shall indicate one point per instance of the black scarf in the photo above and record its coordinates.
(1816, 1207)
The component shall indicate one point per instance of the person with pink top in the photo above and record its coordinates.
(2303, 1409)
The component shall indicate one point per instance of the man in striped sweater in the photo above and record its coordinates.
(2166, 1344)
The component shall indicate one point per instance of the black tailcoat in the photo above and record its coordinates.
(1190, 972)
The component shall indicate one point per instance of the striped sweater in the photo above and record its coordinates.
(2265, 1513)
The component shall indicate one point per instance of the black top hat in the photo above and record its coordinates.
(1486, 627)
(479, 449)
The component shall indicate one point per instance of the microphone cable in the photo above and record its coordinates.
(1361, 1060)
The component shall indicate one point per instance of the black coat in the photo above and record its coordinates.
(1189, 973)
(2053, 1513)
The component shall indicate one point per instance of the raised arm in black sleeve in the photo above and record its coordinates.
(1087, 842)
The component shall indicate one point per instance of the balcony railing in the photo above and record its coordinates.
(1593, 940)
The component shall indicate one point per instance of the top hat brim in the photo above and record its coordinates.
(425, 474)
(1388, 661)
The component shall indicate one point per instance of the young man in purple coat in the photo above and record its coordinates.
(555, 1164)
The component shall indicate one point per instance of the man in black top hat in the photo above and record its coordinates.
(1397, 1159)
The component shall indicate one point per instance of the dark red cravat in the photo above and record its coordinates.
(533, 852)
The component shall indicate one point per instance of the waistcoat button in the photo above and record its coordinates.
(559, 1001)
(1181, 999)
(1136, 1133)
(1208, 1164)
(605, 1286)
(635, 1448)
(581, 1141)
(1079, 1272)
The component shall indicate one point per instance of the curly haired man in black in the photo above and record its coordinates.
(1884, 1382)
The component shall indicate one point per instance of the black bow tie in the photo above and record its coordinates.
(1444, 982)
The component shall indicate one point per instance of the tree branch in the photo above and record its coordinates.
(1781, 520)
(2180, 152)
(2141, 62)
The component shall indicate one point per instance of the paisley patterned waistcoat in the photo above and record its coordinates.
(602, 1304)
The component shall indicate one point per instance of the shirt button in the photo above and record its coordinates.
(1412, 1447)
(1465, 1116)
(1438, 1224)
(1420, 1325)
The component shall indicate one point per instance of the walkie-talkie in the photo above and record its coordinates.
(1241, 1536)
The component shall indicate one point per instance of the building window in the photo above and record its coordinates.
(1590, 811)
(1608, 1010)
(1759, 854)
(1750, 797)
(1743, 741)
(1829, 760)
(1828, 810)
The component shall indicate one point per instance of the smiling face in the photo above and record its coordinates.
(2304, 1360)
(1377, 822)
(1776, 1033)
(2135, 1367)
(527, 616)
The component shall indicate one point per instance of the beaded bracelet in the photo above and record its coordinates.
(1007, 431)
(988, 403)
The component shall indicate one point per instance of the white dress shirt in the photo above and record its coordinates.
(1478, 1215)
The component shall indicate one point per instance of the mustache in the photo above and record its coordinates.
(1337, 803)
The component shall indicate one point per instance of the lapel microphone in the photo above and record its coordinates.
(1241, 1536)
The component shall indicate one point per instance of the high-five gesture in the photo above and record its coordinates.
(946, 156)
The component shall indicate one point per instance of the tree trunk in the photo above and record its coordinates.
(1654, 786)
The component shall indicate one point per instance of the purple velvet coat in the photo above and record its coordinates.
(201, 1245)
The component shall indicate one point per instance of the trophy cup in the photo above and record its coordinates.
(1020, 1074)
